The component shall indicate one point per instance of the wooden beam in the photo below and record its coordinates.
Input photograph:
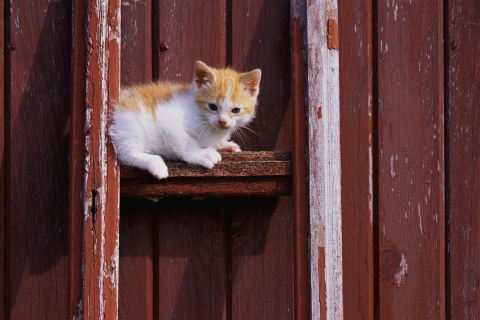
(324, 152)
(99, 198)
(238, 174)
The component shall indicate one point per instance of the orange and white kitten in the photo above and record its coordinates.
(183, 121)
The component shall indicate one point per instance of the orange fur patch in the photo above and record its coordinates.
(148, 96)
(227, 85)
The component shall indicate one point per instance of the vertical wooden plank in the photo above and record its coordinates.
(262, 258)
(411, 147)
(101, 176)
(191, 263)
(462, 154)
(190, 236)
(261, 39)
(76, 163)
(325, 165)
(186, 31)
(356, 141)
(136, 42)
(300, 171)
(136, 221)
(2, 159)
(262, 229)
(136, 260)
(38, 72)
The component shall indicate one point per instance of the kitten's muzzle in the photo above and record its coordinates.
(222, 123)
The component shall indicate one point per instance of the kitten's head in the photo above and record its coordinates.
(226, 98)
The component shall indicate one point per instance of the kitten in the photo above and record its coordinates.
(183, 121)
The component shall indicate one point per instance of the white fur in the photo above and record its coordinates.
(180, 129)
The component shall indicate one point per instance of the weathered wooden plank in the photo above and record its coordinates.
(136, 221)
(37, 96)
(101, 178)
(262, 258)
(76, 164)
(262, 229)
(208, 187)
(186, 31)
(137, 59)
(325, 167)
(136, 260)
(191, 271)
(300, 171)
(356, 142)
(462, 156)
(243, 164)
(411, 153)
(260, 28)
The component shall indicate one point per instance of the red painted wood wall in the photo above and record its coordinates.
(410, 95)
(410, 142)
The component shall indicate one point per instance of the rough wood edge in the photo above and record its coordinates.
(75, 205)
(325, 169)
(244, 164)
(300, 165)
(100, 194)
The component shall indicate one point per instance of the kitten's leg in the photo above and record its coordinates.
(206, 157)
(192, 153)
(152, 163)
(229, 146)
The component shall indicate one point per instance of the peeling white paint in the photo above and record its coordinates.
(420, 219)
(402, 272)
(324, 149)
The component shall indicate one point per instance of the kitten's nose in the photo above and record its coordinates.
(222, 123)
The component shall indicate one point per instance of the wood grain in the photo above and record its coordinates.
(101, 177)
(300, 169)
(411, 169)
(324, 161)
(262, 258)
(262, 229)
(462, 154)
(136, 220)
(241, 164)
(187, 31)
(191, 262)
(76, 164)
(261, 39)
(136, 281)
(356, 141)
(38, 77)
(190, 247)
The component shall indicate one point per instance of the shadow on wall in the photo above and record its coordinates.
(37, 101)
(197, 248)
(269, 51)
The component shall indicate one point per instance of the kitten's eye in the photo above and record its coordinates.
(212, 107)
(235, 110)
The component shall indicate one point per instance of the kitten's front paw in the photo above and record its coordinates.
(206, 158)
(158, 169)
(229, 146)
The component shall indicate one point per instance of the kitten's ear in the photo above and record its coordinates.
(203, 74)
(251, 80)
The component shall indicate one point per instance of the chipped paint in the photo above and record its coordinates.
(324, 142)
(401, 272)
(101, 180)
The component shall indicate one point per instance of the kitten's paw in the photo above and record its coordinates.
(206, 158)
(158, 169)
(229, 146)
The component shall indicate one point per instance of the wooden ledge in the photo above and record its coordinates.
(244, 174)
